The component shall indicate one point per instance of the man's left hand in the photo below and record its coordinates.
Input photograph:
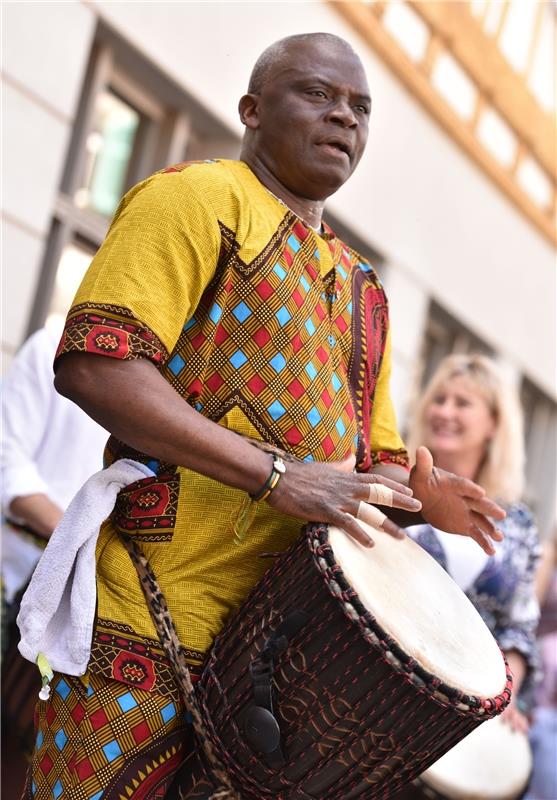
(454, 504)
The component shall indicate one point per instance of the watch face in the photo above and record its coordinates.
(280, 466)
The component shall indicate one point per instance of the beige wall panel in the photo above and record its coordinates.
(408, 307)
(34, 149)
(429, 208)
(46, 47)
(21, 256)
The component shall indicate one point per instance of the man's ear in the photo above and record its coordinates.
(248, 108)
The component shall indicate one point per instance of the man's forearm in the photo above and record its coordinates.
(37, 511)
(134, 402)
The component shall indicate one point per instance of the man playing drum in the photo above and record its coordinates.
(221, 304)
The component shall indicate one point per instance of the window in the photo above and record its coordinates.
(131, 121)
(540, 430)
(108, 151)
(485, 70)
(72, 266)
(445, 335)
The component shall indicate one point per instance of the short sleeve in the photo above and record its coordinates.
(147, 278)
(387, 446)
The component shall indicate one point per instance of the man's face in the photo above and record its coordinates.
(312, 114)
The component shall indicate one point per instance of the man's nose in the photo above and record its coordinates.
(343, 113)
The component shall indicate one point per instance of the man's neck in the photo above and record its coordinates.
(309, 211)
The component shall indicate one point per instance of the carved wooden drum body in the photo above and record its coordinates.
(347, 672)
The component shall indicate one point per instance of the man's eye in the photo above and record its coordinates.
(317, 93)
(362, 109)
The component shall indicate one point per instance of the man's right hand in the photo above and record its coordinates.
(335, 494)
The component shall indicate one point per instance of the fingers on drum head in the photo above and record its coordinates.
(372, 516)
(380, 495)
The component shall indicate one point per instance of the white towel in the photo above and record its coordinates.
(58, 609)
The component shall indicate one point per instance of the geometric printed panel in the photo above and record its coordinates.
(277, 340)
(103, 739)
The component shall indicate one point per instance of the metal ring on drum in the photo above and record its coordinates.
(372, 662)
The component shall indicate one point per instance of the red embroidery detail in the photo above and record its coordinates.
(293, 436)
(77, 713)
(46, 764)
(328, 446)
(149, 505)
(295, 388)
(95, 333)
(134, 670)
(256, 384)
(98, 719)
(141, 732)
(261, 337)
(264, 289)
(84, 769)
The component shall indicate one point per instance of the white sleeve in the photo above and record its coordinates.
(27, 395)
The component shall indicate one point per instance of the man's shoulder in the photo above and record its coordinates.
(212, 184)
(208, 176)
(196, 187)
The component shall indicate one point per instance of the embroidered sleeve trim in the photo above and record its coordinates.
(111, 331)
(399, 457)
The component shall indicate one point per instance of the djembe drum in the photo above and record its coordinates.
(491, 763)
(347, 672)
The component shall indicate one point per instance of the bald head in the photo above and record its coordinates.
(277, 55)
(306, 115)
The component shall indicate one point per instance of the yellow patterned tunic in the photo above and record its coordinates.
(262, 325)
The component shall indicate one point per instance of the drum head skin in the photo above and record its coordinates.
(419, 605)
(491, 763)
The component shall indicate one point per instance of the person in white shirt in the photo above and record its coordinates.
(48, 449)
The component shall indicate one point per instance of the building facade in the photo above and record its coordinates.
(454, 200)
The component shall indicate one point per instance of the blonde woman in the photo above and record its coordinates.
(471, 422)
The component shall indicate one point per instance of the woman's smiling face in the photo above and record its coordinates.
(459, 420)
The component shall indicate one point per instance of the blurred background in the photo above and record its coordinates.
(454, 201)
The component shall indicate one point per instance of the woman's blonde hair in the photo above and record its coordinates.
(501, 472)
